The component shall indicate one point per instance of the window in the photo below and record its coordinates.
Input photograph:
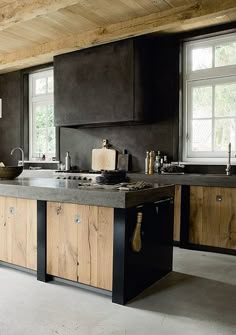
(42, 133)
(209, 99)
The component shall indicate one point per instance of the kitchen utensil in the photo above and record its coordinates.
(104, 159)
(67, 161)
(136, 241)
(123, 161)
(111, 177)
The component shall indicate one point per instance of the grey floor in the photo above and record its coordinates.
(199, 297)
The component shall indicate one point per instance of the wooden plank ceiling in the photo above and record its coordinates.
(32, 32)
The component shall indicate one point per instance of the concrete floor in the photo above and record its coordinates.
(199, 297)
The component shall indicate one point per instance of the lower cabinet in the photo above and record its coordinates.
(18, 232)
(213, 216)
(80, 243)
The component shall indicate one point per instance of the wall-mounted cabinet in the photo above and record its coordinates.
(80, 243)
(18, 232)
(106, 84)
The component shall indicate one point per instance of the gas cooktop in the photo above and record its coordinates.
(82, 175)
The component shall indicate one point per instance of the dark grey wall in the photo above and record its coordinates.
(10, 129)
(162, 135)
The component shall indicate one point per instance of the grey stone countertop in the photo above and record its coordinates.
(50, 189)
(194, 179)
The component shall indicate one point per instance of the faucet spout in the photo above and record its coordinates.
(228, 166)
(20, 163)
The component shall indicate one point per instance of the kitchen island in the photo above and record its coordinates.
(85, 235)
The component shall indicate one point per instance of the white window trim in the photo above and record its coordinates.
(191, 78)
(37, 99)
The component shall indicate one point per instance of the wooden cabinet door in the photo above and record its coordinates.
(62, 241)
(80, 243)
(95, 246)
(18, 232)
(5, 242)
(213, 216)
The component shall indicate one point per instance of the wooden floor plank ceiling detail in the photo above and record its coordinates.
(32, 32)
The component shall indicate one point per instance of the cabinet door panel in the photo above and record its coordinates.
(62, 240)
(227, 227)
(95, 246)
(3, 230)
(83, 250)
(84, 246)
(213, 216)
(18, 221)
(105, 248)
(211, 211)
(196, 211)
(18, 236)
(31, 248)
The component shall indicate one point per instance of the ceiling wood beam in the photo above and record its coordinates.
(24, 10)
(172, 18)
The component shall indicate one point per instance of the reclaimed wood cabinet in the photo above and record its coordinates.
(213, 216)
(18, 232)
(109, 83)
(80, 243)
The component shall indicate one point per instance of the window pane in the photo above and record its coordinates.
(50, 84)
(201, 58)
(202, 102)
(50, 116)
(201, 135)
(40, 142)
(225, 54)
(51, 140)
(40, 113)
(225, 100)
(224, 133)
(40, 86)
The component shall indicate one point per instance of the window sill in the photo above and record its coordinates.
(206, 163)
(42, 162)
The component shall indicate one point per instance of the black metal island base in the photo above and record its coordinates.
(138, 253)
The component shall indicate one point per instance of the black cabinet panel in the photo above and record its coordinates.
(95, 85)
(105, 84)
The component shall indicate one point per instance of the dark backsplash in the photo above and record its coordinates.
(136, 139)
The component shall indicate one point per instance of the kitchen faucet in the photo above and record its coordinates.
(228, 166)
(20, 163)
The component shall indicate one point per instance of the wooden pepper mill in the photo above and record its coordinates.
(136, 241)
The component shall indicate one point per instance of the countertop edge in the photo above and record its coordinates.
(103, 198)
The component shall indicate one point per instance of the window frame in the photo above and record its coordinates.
(207, 76)
(37, 100)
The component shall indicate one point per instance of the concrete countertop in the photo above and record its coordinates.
(194, 179)
(50, 189)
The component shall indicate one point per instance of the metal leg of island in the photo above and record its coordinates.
(42, 241)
